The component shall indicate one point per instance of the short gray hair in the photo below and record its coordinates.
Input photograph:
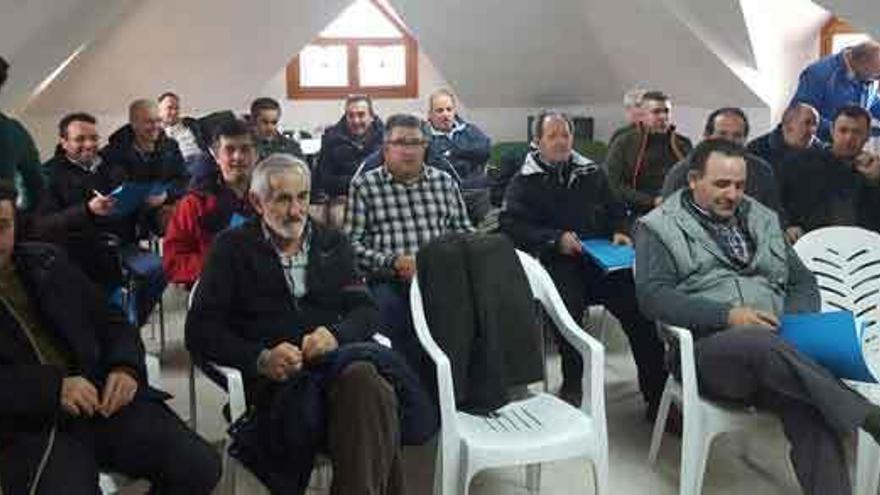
(633, 97)
(272, 165)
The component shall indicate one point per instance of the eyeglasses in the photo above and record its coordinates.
(408, 143)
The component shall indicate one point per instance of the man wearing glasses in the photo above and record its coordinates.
(392, 211)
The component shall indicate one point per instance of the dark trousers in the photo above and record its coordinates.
(143, 440)
(755, 366)
(363, 433)
(392, 297)
(581, 283)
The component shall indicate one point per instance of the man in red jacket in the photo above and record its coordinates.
(212, 204)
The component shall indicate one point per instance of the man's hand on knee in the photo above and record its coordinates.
(78, 396)
(745, 316)
(119, 391)
(280, 362)
(320, 341)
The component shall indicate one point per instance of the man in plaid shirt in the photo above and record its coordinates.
(392, 211)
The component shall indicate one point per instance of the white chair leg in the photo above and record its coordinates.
(600, 474)
(533, 478)
(660, 423)
(867, 465)
(694, 451)
(448, 471)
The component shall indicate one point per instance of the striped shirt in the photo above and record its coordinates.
(386, 218)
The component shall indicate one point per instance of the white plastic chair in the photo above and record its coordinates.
(846, 263)
(111, 483)
(527, 432)
(702, 419)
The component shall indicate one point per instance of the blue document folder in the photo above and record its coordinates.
(235, 220)
(130, 196)
(831, 339)
(609, 256)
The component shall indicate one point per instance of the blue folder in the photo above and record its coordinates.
(609, 256)
(831, 339)
(235, 220)
(130, 196)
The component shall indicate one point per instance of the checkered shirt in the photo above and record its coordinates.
(386, 218)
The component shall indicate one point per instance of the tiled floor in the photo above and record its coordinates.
(755, 465)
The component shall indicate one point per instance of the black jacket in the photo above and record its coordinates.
(820, 190)
(341, 154)
(76, 311)
(773, 149)
(467, 148)
(543, 201)
(123, 163)
(243, 305)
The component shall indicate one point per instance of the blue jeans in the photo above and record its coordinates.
(144, 268)
(392, 297)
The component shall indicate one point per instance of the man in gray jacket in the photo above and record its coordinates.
(715, 261)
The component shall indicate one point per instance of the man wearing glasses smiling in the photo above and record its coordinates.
(392, 211)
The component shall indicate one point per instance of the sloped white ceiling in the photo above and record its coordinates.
(863, 14)
(214, 52)
(495, 53)
(522, 52)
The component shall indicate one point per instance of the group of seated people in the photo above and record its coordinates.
(292, 301)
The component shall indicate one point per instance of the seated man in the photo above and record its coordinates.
(343, 148)
(796, 133)
(558, 198)
(714, 261)
(212, 205)
(20, 155)
(731, 123)
(822, 188)
(75, 399)
(77, 212)
(640, 158)
(276, 298)
(265, 116)
(184, 130)
(465, 146)
(392, 211)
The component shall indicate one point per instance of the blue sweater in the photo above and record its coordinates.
(828, 85)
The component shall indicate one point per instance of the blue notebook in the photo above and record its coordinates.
(609, 256)
(831, 339)
(130, 196)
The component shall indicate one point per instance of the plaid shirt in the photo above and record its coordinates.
(386, 218)
(732, 235)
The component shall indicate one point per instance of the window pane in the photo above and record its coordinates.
(323, 66)
(841, 41)
(361, 20)
(382, 65)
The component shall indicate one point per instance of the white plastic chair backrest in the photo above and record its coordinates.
(846, 263)
(544, 290)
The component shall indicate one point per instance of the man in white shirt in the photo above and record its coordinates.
(184, 130)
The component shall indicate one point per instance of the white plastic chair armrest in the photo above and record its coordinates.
(445, 391)
(381, 339)
(590, 349)
(154, 376)
(686, 356)
(235, 389)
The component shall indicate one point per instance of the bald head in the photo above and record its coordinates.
(799, 124)
(144, 119)
(864, 59)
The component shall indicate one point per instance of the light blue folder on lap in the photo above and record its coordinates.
(831, 339)
(609, 256)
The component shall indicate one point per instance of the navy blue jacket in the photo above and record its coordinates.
(341, 154)
(772, 148)
(467, 148)
(543, 201)
(123, 163)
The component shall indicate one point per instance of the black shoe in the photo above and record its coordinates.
(573, 397)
